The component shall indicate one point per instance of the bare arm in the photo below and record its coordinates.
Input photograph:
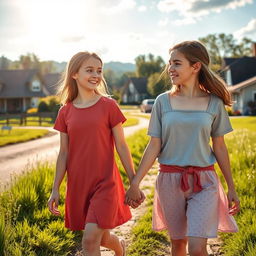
(151, 152)
(53, 201)
(123, 151)
(221, 154)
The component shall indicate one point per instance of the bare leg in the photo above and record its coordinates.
(112, 242)
(91, 239)
(197, 246)
(179, 247)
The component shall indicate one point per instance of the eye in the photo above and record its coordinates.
(89, 70)
(99, 71)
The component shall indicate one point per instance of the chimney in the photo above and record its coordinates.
(254, 49)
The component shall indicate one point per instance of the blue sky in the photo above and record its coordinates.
(118, 30)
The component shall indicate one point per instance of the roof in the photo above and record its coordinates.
(15, 84)
(51, 81)
(140, 83)
(241, 68)
(242, 85)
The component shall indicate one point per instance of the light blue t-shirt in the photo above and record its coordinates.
(185, 134)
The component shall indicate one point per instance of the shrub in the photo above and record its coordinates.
(43, 107)
(32, 110)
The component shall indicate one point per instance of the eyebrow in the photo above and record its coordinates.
(93, 67)
(176, 60)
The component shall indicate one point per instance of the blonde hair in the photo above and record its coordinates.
(68, 90)
(195, 51)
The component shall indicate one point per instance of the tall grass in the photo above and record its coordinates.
(242, 148)
(26, 226)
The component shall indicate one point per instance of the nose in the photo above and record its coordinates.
(170, 68)
(95, 74)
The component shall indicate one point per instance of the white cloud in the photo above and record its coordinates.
(123, 5)
(192, 10)
(248, 30)
(142, 8)
(163, 22)
(185, 21)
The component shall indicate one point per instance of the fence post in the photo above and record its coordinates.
(40, 120)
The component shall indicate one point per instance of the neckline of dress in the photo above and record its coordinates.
(88, 106)
(189, 110)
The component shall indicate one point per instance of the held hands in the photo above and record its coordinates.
(233, 202)
(134, 196)
(53, 202)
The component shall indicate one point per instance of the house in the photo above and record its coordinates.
(243, 93)
(22, 89)
(240, 76)
(135, 90)
(51, 81)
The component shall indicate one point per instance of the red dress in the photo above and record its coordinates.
(93, 180)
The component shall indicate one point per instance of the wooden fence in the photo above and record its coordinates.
(23, 118)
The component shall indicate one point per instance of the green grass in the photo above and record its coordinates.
(124, 107)
(130, 121)
(20, 135)
(242, 149)
(26, 225)
(244, 123)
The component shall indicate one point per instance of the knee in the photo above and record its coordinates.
(89, 242)
(179, 244)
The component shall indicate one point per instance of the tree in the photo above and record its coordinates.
(147, 65)
(110, 77)
(29, 61)
(157, 84)
(4, 62)
(222, 45)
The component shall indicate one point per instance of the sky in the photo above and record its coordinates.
(118, 30)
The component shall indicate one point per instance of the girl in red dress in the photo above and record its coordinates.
(90, 125)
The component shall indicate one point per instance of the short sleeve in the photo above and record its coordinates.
(155, 125)
(115, 115)
(221, 123)
(60, 123)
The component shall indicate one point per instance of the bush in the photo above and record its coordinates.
(43, 107)
(32, 110)
(49, 104)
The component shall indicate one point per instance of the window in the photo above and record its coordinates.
(36, 87)
(254, 96)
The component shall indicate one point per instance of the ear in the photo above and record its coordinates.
(197, 66)
(74, 76)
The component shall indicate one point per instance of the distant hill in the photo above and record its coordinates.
(120, 67)
(117, 67)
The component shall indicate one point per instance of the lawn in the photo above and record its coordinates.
(20, 135)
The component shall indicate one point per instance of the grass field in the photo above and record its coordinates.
(20, 135)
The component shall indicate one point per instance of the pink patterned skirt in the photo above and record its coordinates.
(191, 211)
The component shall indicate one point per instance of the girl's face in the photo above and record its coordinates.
(89, 74)
(180, 70)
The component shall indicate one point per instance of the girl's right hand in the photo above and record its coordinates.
(53, 202)
(134, 194)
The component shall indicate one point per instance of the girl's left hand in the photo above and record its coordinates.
(233, 202)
